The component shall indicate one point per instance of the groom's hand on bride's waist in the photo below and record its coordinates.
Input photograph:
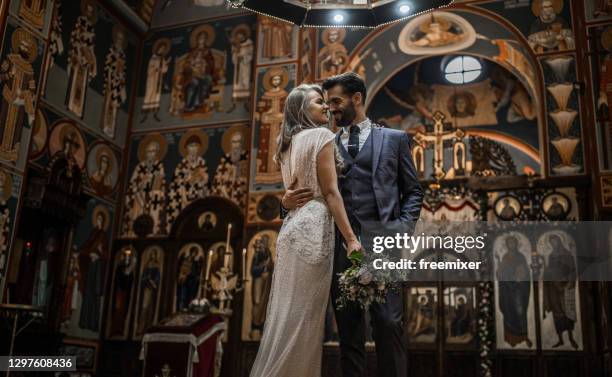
(295, 198)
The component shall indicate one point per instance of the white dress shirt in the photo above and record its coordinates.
(366, 128)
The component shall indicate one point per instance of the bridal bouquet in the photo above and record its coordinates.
(359, 284)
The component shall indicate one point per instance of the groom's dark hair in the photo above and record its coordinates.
(350, 81)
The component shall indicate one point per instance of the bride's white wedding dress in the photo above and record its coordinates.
(292, 341)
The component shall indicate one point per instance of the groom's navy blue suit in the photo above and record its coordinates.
(379, 186)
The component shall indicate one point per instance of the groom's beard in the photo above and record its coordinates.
(347, 116)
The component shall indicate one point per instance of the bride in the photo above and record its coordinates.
(292, 341)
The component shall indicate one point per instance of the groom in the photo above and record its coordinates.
(379, 185)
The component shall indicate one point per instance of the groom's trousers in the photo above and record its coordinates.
(387, 327)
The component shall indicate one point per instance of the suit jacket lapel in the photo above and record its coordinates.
(377, 143)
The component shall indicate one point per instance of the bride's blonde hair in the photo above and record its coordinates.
(296, 118)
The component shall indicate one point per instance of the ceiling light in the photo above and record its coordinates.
(349, 13)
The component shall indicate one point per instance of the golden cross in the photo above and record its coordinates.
(437, 139)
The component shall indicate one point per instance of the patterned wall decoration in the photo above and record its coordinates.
(20, 75)
(564, 132)
(169, 171)
(90, 77)
(196, 75)
(81, 310)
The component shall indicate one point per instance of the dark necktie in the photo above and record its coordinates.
(353, 141)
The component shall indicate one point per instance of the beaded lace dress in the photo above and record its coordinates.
(292, 341)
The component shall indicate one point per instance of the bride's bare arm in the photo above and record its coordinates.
(328, 180)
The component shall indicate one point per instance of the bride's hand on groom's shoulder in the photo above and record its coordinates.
(296, 197)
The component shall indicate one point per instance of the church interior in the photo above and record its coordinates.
(137, 175)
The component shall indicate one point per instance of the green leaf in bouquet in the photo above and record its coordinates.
(356, 257)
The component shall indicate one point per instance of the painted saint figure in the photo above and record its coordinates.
(156, 70)
(242, 56)
(101, 180)
(150, 285)
(92, 259)
(549, 32)
(123, 282)
(560, 290)
(262, 268)
(277, 38)
(195, 74)
(333, 57)
(190, 181)
(82, 65)
(270, 115)
(115, 92)
(73, 290)
(189, 274)
(231, 176)
(146, 192)
(17, 107)
(514, 279)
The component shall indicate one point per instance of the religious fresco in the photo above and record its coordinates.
(146, 192)
(460, 324)
(191, 178)
(514, 294)
(436, 32)
(20, 71)
(564, 132)
(123, 285)
(10, 187)
(90, 77)
(196, 75)
(600, 47)
(34, 13)
(422, 315)
(191, 263)
(334, 48)
(148, 294)
(557, 204)
(169, 171)
(273, 86)
(102, 168)
(559, 292)
(549, 27)
(278, 41)
(88, 266)
(261, 255)
(598, 10)
(487, 127)
(264, 207)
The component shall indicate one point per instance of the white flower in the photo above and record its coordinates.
(365, 278)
